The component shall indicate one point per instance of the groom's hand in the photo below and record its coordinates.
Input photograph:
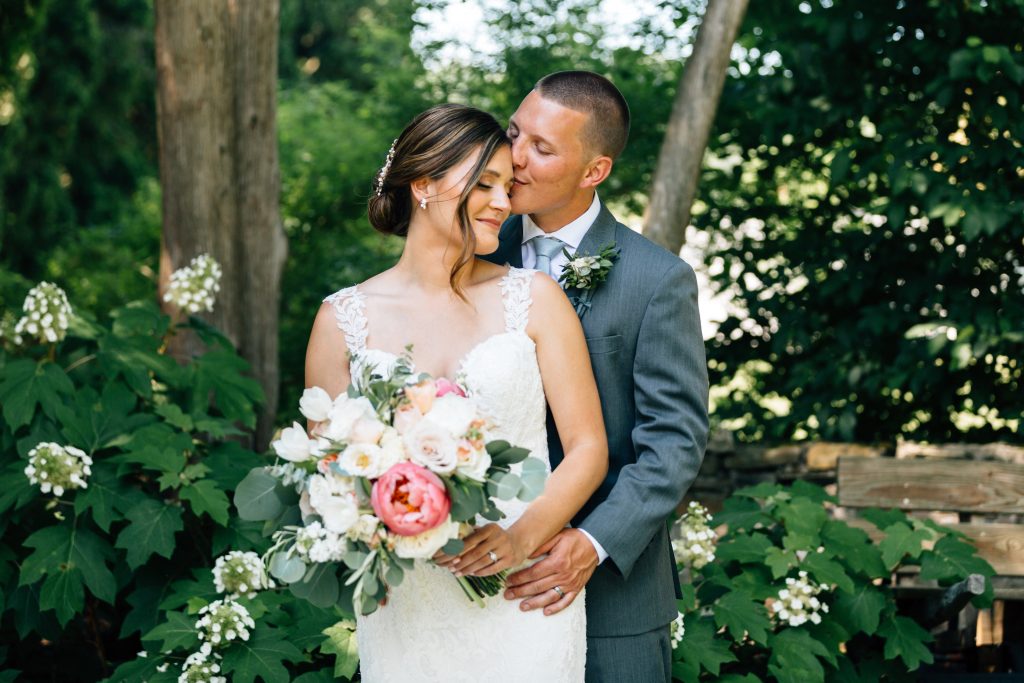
(570, 562)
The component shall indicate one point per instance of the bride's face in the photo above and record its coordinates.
(488, 204)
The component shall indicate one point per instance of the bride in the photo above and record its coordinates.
(512, 340)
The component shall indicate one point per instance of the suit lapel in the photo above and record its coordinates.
(600, 235)
(510, 243)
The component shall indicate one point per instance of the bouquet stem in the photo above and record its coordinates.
(477, 588)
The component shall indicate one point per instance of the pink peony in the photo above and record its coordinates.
(446, 386)
(410, 499)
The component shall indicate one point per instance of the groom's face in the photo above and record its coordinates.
(548, 156)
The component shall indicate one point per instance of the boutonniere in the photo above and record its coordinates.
(586, 273)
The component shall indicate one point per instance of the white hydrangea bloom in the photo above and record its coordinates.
(240, 574)
(194, 287)
(677, 630)
(201, 667)
(55, 468)
(223, 621)
(46, 315)
(798, 602)
(696, 544)
(316, 545)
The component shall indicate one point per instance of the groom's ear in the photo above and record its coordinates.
(596, 171)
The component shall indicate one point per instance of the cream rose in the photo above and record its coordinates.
(432, 446)
(423, 546)
(454, 413)
(473, 462)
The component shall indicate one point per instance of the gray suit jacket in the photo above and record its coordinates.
(643, 333)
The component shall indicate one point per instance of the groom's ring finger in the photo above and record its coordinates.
(563, 602)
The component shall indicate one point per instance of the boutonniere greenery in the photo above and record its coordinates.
(585, 274)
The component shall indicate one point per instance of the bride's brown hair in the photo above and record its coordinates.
(436, 141)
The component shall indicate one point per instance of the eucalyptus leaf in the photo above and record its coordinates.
(256, 497)
(288, 569)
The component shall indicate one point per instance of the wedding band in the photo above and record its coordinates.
(493, 555)
(561, 593)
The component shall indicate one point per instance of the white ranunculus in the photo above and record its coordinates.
(454, 413)
(392, 447)
(315, 404)
(294, 444)
(432, 446)
(343, 415)
(423, 546)
(334, 499)
(363, 460)
(473, 462)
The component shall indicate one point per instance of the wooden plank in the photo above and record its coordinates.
(960, 485)
(1001, 545)
(974, 451)
(824, 455)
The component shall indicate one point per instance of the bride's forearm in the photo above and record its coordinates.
(568, 488)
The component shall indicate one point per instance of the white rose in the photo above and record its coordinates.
(432, 446)
(294, 444)
(315, 404)
(364, 528)
(407, 417)
(366, 430)
(423, 546)
(454, 413)
(334, 499)
(473, 462)
(363, 460)
(344, 413)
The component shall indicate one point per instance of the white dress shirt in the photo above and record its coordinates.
(572, 234)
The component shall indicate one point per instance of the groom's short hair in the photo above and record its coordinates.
(584, 91)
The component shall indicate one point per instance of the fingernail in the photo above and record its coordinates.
(526, 607)
(458, 575)
(509, 595)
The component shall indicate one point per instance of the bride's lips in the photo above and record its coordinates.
(494, 222)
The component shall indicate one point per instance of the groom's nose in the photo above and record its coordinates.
(518, 153)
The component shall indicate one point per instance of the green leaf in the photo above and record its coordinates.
(509, 456)
(179, 631)
(827, 571)
(883, 518)
(150, 590)
(504, 485)
(900, 541)
(700, 649)
(906, 640)
(741, 514)
(953, 560)
(206, 498)
(287, 569)
(321, 589)
(27, 385)
(803, 517)
(780, 561)
(263, 656)
(860, 609)
(256, 497)
(106, 498)
(453, 547)
(223, 374)
(151, 528)
(762, 491)
(62, 592)
(174, 416)
(63, 549)
(15, 489)
(341, 642)
(794, 657)
(854, 547)
(739, 613)
(743, 549)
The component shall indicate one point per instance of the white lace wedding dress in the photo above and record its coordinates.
(429, 630)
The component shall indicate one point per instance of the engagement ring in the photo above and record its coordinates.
(494, 556)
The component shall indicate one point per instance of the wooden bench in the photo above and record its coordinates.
(975, 490)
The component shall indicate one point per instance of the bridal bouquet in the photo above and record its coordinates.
(395, 470)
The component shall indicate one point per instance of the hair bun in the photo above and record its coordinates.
(389, 211)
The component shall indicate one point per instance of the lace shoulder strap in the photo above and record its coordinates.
(515, 295)
(350, 312)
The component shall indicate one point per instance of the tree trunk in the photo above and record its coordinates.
(216, 106)
(679, 162)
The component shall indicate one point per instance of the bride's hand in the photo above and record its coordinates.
(483, 546)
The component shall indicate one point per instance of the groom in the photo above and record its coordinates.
(644, 337)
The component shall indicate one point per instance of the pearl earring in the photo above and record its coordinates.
(423, 202)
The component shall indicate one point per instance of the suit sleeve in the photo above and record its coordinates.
(671, 394)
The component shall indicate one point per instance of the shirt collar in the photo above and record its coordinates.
(572, 234)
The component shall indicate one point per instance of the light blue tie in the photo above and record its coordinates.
(546, 248)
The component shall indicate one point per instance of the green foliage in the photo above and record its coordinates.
(735, 629)
(863, 203)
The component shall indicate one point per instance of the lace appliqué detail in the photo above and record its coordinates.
(515, 294)
(350, 312)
